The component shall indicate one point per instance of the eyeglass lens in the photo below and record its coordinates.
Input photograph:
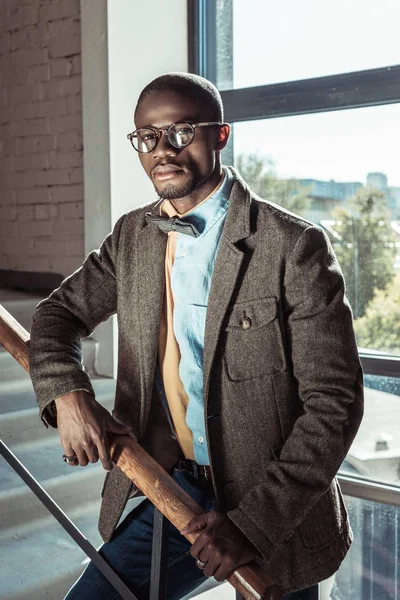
(178, 134)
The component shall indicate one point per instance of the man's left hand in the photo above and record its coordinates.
(221, 545)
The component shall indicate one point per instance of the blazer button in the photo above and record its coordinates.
(246, 323)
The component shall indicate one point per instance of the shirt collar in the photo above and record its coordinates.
(210, 210)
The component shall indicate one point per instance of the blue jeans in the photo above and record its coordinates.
(129, 553)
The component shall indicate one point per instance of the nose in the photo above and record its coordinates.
(164, 148)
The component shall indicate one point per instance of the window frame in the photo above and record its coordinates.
(358, 89)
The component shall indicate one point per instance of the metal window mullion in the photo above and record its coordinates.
(369, 490)
(385, 366)
(373, 87)
(202, 38)
(193, 40)
(210, 36)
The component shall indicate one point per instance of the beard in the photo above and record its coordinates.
(174, 191)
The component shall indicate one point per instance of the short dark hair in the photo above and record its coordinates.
(194, 87)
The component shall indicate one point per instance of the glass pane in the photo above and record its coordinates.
(370, 570)
(340, 170)
(271, 42)
(375, 452)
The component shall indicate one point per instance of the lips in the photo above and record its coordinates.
(165, 171)
(165, 168)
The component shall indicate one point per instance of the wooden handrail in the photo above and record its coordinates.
(250, 580)
(14, 338)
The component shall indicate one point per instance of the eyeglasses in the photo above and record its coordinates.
(179, 135)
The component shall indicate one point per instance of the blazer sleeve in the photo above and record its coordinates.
(71, 312)
(325, 363)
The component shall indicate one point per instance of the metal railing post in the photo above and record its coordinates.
(159, 557)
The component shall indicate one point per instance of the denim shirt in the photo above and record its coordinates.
(190, 282)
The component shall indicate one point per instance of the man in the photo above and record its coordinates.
(238, 368)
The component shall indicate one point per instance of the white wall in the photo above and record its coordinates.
(141, 46)
(125, 44)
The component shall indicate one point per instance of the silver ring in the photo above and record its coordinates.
(69, 459)
(200, 563)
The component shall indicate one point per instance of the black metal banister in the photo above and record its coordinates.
(159, 557)
(66, 523)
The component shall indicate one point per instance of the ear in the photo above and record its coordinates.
(223, 136)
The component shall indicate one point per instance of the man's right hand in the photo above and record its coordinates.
(83, 425)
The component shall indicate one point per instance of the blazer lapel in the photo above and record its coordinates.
(150, 266)
(226, 272)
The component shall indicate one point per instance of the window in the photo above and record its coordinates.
(326, 145)
(313, 91)
(291, 40)
(370, 570)
(339, 169)
(375, 452)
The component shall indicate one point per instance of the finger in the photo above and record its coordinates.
(70, 459)
(211, 557)
(202, 558)
(226, 568)
(69, 452)
(212, 566)
(104, 453)
(92, 453)
(82, 457)
(199, 547)
(200, 565)
(222, 572)
(196, 524)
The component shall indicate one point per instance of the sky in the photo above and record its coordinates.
(297, 39)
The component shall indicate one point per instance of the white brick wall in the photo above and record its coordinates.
(41, 177)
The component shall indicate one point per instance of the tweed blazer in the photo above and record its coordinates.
(282, 394)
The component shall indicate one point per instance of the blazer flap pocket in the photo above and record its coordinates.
(252, 314)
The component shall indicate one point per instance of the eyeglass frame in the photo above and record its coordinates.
(158, 132)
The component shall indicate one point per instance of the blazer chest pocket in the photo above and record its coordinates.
(254, 345)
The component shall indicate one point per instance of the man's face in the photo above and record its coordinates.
(178, 172)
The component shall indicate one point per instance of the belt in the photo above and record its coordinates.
(200, 472)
